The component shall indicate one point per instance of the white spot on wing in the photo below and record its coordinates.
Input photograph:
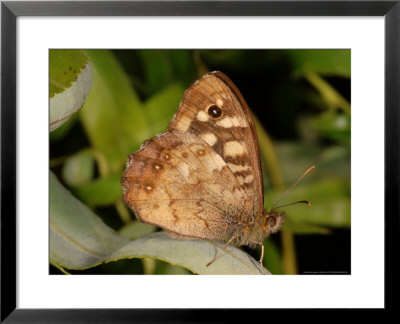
(233, 148)
(238, 168)
(219, 163)
(209, 138)
(183, 124)
(202, 116)
(219, 103)
(248, 179)
(228, 122)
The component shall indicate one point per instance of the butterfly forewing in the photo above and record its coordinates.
(181, 184)
(213, 110)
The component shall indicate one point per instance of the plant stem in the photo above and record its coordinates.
(149, 265)
(123, 211)
(289, 263)
(288, 252)
(269, 155)
(59, 268)
(102, 163)
(331, 96)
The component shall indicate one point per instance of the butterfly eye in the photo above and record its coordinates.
(214, 111)
(271, 221)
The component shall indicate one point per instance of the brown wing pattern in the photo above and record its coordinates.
(214, 110)
(181, 184)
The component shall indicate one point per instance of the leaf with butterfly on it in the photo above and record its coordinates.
(190, 254)
(80, 240)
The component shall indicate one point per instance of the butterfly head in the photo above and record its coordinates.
(272, 221)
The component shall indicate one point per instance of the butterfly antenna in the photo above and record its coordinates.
(290, 189)
(294, 203)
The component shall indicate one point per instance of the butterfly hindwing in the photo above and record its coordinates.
(178, 182)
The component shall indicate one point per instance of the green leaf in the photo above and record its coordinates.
(327, 62)
(330, 205)
(136, 229)
(70, 83)
(78, 238)
(226, 58)
(62, 131)
(296, 157)
(272, 258)
(332, 98)
(65, 67)
(113, 117)
(174, 270)
(304, 228)
(78, 169)
(163, 67)
(190, 254)
(326, 187)
(161, 107)
(335, 126)
(100, 192)
(157, 69)
(182, 63)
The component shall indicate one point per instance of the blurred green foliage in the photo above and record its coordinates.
(300, 97)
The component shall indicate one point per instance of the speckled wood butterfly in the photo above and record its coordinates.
(202, 178)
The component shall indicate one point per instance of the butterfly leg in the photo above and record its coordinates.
(221, 251)
(262, 255)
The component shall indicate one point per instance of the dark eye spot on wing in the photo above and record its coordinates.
(214, 111)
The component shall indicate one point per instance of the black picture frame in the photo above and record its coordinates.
(10, 10)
